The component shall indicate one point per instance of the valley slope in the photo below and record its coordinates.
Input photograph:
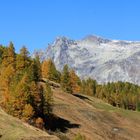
(77, 113)
(93, 118)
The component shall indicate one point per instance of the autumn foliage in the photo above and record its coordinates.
(49, 71)
(21, 92)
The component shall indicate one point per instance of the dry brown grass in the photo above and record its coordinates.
(96, 119)
(14, 129)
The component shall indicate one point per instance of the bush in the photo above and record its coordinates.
(39, 123)
(79, 137)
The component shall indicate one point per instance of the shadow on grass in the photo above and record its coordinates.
(81, 97)
(55, 123)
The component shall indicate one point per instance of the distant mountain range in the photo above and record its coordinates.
(102, 59)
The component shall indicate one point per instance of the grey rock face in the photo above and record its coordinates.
(102, 59)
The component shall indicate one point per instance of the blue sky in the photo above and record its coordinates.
(35, 23)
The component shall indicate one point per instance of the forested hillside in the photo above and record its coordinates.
(21, 92)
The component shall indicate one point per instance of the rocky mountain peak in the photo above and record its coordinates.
(102, 59)
(62, 40)
(94, 38)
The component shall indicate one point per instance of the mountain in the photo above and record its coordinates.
(102, 59)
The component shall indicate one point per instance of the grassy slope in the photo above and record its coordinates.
(77, 114)
(13, 129)
(95, 119)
